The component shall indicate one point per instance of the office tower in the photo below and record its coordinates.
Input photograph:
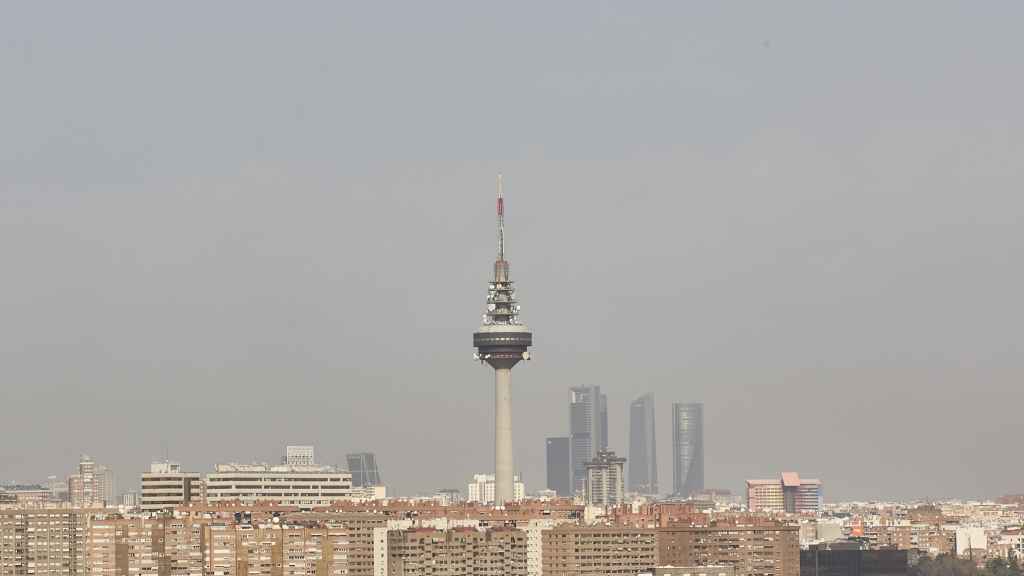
(483, 489)
(605, 479)
(790, 493)
(587, 434)
(92, 486)
(573, 550)
(559, 466)
(363, 466)
(166, 487)
(687, 448)
(603, 444)
(755, 548)
(502, 341)
(643, 453)
(299, 456)
(456, 551)
(303, 486)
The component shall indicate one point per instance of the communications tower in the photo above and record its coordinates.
(501, 342)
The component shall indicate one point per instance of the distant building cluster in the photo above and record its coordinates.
(571, 458)
(393, 538)
(300, 517)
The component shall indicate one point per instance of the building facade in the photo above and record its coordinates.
(302, 486)
(45, 541)
(605, 479)
(588, 429)
(456, 552)
(559, 466)
(687, 448)
(789, 493)
(572, 550)
(363, 466)
(757, 548)
(481, 489)
(165, 486)
(643, 459)
(198, 547)
(92, 486)
(300, 456)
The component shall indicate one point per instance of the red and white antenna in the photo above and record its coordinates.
(501, 222)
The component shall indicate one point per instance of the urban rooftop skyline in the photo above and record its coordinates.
(265, 226)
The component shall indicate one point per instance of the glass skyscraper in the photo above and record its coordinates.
(588, 429)
(559, 467)
(363, 467)
(687, 448)
(643, 454)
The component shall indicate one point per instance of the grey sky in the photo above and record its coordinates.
(228, 227)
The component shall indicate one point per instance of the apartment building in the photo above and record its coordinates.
(758, 548)
(360, 528)
(572, 550)
(606, 483)
(209, 547)
(119, 546)
(47, 542)
(274, 550)
(456, 552)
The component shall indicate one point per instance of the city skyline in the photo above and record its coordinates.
(809, 223)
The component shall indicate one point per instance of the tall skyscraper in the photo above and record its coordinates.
(687, 448)
(363, 466)
(604, 424)
(559, 459)
(588, 425)
(643, 453)
(502, 341)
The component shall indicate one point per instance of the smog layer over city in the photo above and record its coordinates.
(623, 264)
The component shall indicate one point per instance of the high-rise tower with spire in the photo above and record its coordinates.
(502, 341)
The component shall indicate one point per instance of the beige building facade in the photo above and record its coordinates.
(571, 550)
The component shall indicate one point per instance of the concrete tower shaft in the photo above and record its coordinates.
(502, 341)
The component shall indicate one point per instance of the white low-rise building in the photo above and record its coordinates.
(481, 489)
(302, 486)
(165, 486)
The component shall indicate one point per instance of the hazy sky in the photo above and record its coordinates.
(226, 227)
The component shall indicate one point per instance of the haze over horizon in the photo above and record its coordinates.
(228, 230)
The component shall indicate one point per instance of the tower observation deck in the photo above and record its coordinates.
(502, 341)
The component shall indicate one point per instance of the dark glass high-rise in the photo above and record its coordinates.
(687, 448)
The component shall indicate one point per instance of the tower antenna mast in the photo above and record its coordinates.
(501, 221)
